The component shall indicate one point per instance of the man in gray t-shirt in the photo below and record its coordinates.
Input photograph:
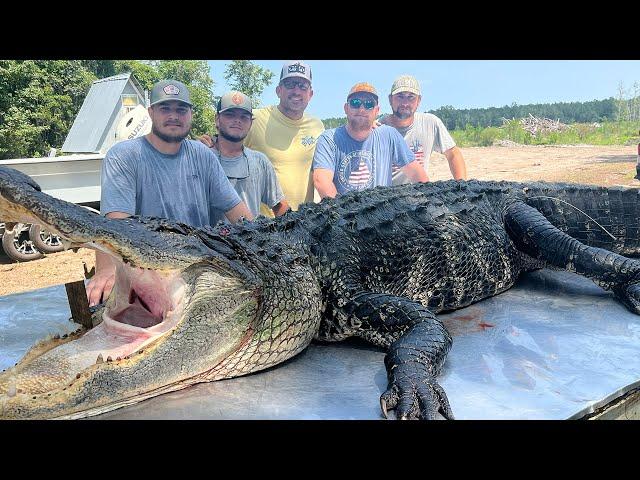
(162, 174)
(423, 132)
(249, 171)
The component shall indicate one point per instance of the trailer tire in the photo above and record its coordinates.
(44, 240)
(18, 246)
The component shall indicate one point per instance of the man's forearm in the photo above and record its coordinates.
(280, 208)
(415, 172)
(456, 163)
(323, 183)
(239, 211)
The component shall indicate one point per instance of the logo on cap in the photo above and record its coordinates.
(237, 99)
(296, 68)
(171, 89)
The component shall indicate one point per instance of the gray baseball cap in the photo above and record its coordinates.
(295, 68)
(166, 90)
(234, 99)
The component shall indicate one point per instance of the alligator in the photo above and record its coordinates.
(194, 305)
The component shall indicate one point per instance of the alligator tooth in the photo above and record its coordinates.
(11, 391)
(99, 359)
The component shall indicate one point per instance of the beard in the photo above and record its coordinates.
(232, 138)
(403, 115)
(170, 138)
(360, 124)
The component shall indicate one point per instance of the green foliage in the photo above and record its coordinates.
(39, 99)
(38, 102)
(195, 74)
(334, 122)
(568, 112)
(607, 133)
(144, 72)
(248, 78)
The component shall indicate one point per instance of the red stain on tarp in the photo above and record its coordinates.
(465, 318)
(483, 325)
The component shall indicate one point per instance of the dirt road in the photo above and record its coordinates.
(608, 166)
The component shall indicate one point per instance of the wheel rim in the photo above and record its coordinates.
(22, 243)
(50, 239)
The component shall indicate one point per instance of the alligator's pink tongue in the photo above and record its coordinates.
(143, 300)
(138, 313)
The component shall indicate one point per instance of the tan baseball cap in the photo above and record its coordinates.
(405, 83)
(234, 99)
(166, 90)
(363, 87)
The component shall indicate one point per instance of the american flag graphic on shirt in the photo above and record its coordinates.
(360, 175)
(356, 170)
(418, 152)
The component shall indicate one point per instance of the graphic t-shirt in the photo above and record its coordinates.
(358, 165)
(425, 135)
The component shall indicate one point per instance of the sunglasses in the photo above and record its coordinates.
(355, 103)
(291, 84)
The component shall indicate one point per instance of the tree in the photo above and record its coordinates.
(39, 100)
(195, 74)
(145, 72)
(622, 106)
(248, 78)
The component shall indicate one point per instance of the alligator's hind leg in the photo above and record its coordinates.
(534, 235)
(417, 344)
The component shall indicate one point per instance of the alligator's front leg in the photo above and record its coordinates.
(417, 344)
(534, 235)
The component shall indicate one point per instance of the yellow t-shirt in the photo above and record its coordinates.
(289, 145)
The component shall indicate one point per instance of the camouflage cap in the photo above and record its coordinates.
(405, 83)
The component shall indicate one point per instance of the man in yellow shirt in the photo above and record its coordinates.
(287, 136)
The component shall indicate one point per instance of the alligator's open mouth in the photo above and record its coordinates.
(144, 305)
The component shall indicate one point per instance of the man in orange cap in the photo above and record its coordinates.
(357, 156)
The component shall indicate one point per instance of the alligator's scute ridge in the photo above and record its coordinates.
(379, 264)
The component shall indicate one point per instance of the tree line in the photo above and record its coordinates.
(39, 99)
(567, 112)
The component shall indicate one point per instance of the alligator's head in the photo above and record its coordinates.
(188, 306)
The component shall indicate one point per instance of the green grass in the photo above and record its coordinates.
(609, 133)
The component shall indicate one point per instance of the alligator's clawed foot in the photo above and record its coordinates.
(629, 294)
(416, 398)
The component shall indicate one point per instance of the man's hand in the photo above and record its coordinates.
(206, 139)
(100, 286)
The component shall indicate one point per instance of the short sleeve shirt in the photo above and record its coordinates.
(359, 165)
(188, 187)
(425, 135)
(254, 179)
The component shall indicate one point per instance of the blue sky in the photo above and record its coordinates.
(460, 83)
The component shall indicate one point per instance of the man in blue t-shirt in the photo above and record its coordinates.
(357, 156)
(164, 175)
